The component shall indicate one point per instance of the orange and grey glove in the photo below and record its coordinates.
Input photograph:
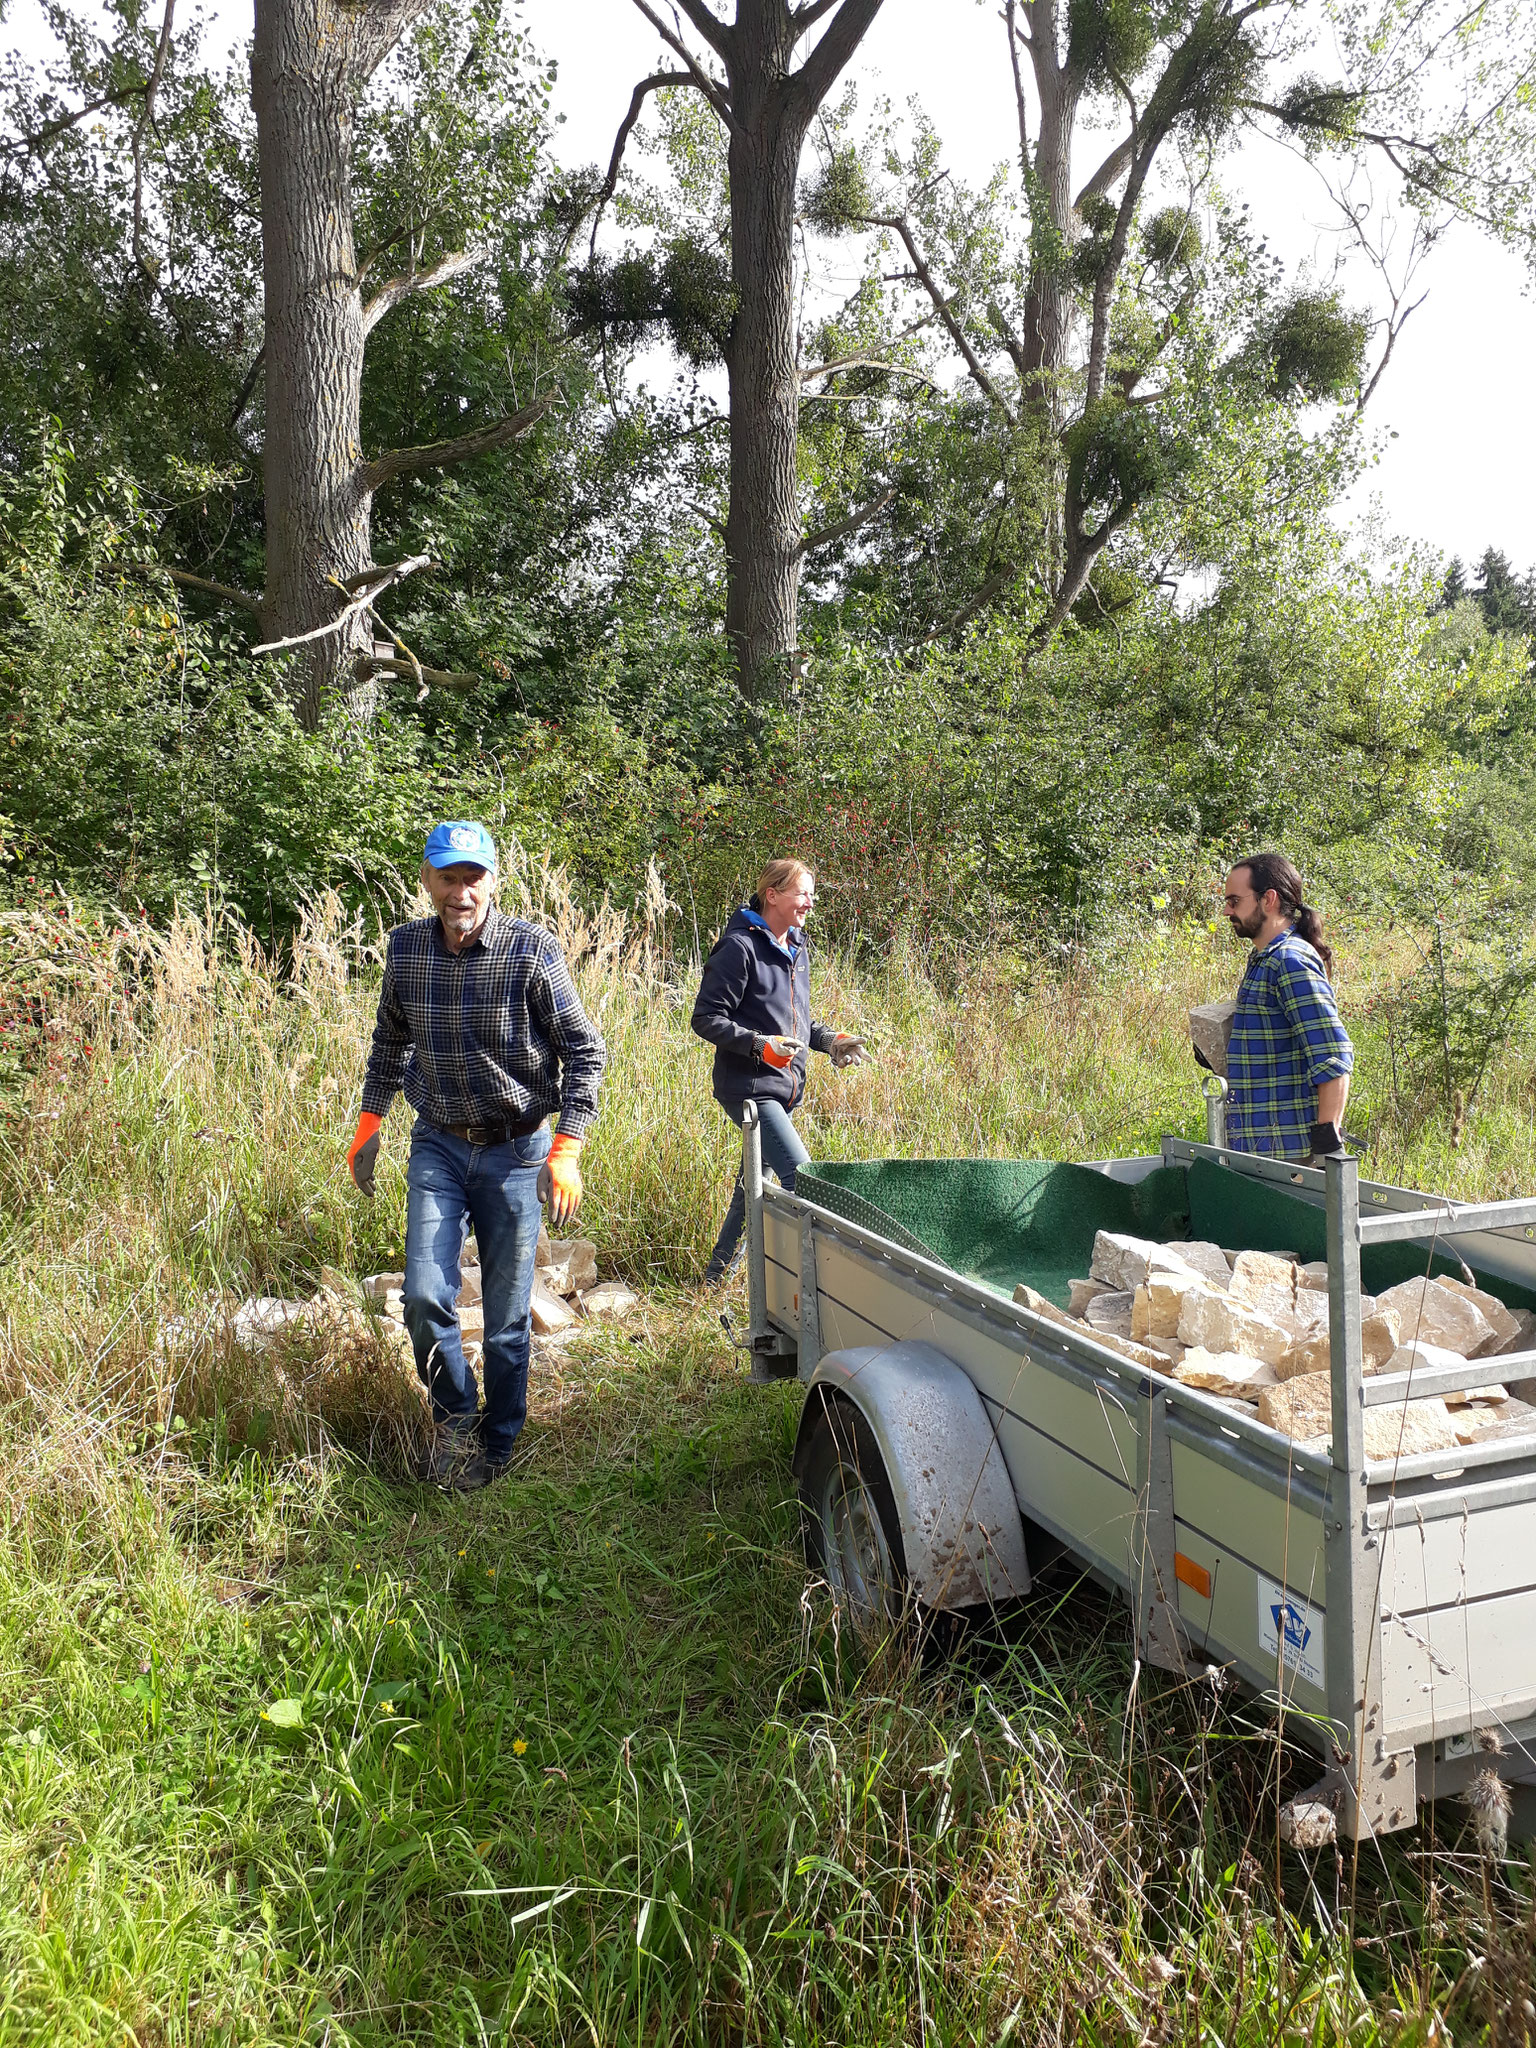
(778, 1051)
(364, 1155)
(559, 1181)
(848, 1050)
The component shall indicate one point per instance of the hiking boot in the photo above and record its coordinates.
(456, 1463)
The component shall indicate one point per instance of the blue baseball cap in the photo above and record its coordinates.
(460, 839)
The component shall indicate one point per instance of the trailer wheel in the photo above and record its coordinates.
(848, 1516)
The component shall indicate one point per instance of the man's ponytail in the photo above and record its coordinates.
(1268, 871)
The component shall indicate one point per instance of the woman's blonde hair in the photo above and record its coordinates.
(780, 874)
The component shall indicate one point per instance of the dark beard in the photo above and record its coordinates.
(1249, 930)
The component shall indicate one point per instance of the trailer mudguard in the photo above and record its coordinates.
(960, 1524)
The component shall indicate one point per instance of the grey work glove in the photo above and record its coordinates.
(849, 1050)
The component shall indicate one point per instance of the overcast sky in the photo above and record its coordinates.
(1459, 395)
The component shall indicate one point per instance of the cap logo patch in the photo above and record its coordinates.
(463, 839)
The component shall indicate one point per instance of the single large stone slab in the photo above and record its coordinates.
(1524, 1338)
(1256, 1276)
(1314, 1275)
(1225, 1373)
(1210, 1027)
(1026, 1297)
(473, 1288)
(1208, 1259)
(609, 1301)
(1214, 1322)
(1380, 1335)
(1303, 1408)
(377, 1285)
(1159, 1301)
(1110, 1312)
(572, 1265)
(549, 1314)
(1504, 1322)
(1082, 1292)
(1433, 1313)
(1123, 1262)
(1424, 1358)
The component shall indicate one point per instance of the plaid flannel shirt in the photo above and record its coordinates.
(495, 1034)
(1286, 1041)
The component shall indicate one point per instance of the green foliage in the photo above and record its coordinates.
(1315, 347)
(838, 198)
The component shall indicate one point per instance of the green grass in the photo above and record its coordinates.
(582, 1758)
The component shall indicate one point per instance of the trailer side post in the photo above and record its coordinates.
(1377, 1788)
(1153, 1546)
(810, 1305)
(758, 1326)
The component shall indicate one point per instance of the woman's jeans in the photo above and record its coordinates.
(782, 1150)
(451, 1184)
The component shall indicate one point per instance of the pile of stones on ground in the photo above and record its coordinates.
(567, 1295)
(1251, 1328)
(566, 1292)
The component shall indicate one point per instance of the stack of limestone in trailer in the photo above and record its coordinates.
(1251, 1328)
(566, 1291)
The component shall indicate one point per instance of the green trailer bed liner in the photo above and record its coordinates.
(1001, 1221)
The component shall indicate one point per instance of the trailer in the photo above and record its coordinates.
(951, 1437)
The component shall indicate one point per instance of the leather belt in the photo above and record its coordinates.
(495, 1134)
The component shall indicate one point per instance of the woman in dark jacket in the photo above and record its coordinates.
(754, 1008)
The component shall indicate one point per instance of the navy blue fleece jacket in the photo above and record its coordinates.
(756, 986)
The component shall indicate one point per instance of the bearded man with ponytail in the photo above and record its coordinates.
(1289, 1057)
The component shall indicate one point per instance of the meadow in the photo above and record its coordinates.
(296, 1750)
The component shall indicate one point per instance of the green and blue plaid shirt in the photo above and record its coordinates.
(493, 1035)
(1286, 1041)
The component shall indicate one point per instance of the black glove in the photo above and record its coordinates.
(1327, 1142)
(1201, 1060)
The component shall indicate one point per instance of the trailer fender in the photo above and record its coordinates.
(960, 1523)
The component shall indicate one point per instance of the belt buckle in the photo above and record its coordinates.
(481, 1135)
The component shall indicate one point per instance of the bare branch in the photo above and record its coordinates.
(803, 18)
(715, 93)
(187, 581)
(367, 665)
(389, 295)
(396, 573)
(994, 586)
(463, 448)
(1017, 35)
(860, 362)
(898, 225)
(243, 395)
(1395, 327)
(378, 575)
(1110, 172)
(637, 100)
(141, 126)
(843, 526)
(706, 515)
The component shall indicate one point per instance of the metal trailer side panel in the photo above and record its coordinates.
(1447, 1669)
(781, 1258)
(1481, 1553)
(1069, 1443)
(1226, 1627)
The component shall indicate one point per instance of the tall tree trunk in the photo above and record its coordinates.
(762, 531)
(304, 85)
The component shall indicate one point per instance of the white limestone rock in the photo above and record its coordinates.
(1111, 1313)
(1313, 1275)
(1026, 1297)
(549, 1314)
(572, 1265)
(472, 1289)
(1258, 1275)
(1433, 1313)
(1303, 1408)
(1082, 1292)
(1228, 1373)
(1504, 1322)
(1422, 1358)
(1123, 1262)
(1380, 1334)
(1209, 1260)
(377, 1285)
(1216, 1323)
(609, 1301)
(1210, 1027)
(1159, 1300)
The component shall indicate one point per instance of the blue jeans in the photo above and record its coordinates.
(782, 1150)
(449, 1185)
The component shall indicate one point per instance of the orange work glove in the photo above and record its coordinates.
(778, 1051)
(364, 1155)
(559, 1181)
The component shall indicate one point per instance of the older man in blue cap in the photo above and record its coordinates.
(480, 1024)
